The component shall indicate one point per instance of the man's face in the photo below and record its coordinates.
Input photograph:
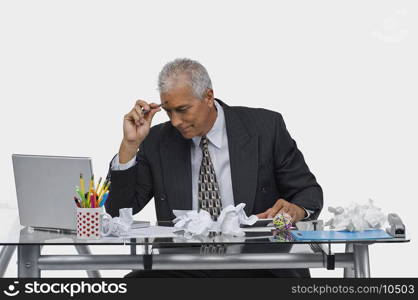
(190, 115)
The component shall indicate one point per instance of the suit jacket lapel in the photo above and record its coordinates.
(243, 156)
(176, 164)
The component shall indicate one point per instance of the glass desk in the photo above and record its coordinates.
(257, 250)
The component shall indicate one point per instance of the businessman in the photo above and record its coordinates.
(209, 155)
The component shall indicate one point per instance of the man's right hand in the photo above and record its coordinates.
(136, 126)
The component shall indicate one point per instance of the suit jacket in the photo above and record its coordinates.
(265, 165)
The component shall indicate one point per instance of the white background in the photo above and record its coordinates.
(343, 74)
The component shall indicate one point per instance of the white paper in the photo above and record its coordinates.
(195, 222)
(122, 227)
(357, 217)
(117, 226)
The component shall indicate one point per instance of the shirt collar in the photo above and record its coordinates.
(215, 134)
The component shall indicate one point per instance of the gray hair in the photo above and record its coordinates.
(198, 77)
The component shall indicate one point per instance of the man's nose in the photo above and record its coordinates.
(175, 120)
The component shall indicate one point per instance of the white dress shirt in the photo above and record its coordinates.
(219, 154)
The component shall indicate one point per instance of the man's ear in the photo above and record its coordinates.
(209, 98)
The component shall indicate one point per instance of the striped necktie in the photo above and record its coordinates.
(208, 190)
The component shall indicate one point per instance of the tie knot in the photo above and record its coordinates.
(204, 142)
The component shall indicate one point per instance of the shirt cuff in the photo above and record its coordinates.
(308, 213)
(117, 166)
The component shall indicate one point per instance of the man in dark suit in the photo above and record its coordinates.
(249, 154)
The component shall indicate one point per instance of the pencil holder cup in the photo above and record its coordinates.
(89, 222)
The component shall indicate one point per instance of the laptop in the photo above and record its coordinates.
(45, 189)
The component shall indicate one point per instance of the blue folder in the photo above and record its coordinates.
(322, 235)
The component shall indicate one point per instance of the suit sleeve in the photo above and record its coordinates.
(295, 181)
(132, 187)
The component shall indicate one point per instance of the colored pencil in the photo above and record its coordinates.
(104, 199)
(98, 186)
(99, 190)
(79, 193)
(92, 200)
(90, 187)
(77, 202)
(82, 188)
(104, 191)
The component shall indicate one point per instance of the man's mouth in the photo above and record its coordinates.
(184, 129)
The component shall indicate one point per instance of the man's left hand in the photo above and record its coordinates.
(296, 212)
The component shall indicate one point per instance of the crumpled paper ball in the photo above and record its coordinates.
(200, 222)
(282, 222)
(117, 226)
(193, 221)
(231, 218)
(356, 217)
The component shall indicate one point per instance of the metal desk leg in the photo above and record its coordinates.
(5, 256)
(133, 248)
(349, 271)
(361, 260)
(85, 250)
(27, 261)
